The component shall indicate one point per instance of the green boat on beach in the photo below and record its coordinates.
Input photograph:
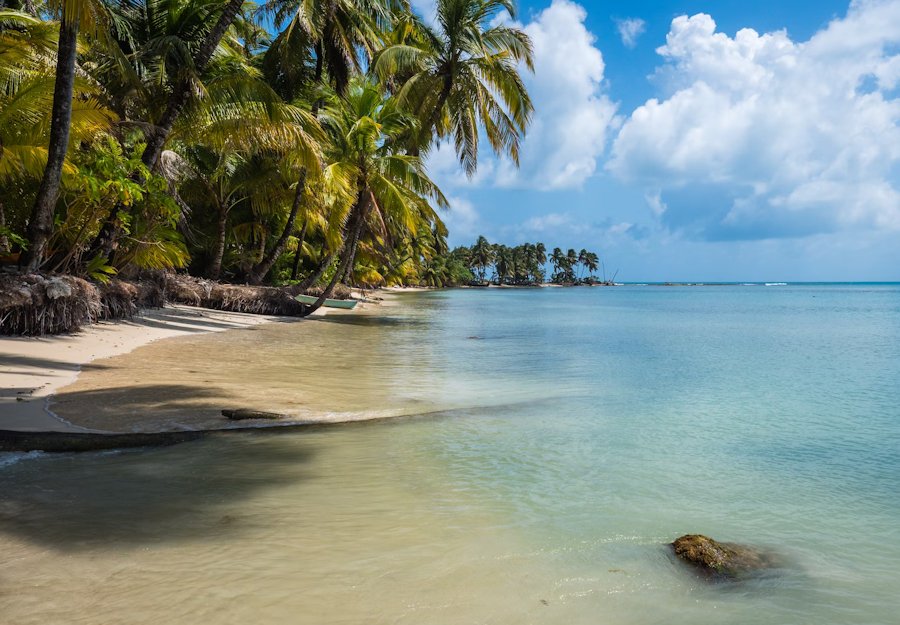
(329, 303)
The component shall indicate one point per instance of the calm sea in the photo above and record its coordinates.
(572, 434)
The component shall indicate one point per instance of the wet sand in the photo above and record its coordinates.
(169, 371)
(33, 369)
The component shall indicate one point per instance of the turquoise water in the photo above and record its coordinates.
(581, 430)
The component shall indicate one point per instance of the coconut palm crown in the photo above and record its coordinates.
(465, 78)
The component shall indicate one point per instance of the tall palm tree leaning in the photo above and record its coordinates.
(160, 131)
(341, 34)
(363, 127)
(74, 14)
(465, 74)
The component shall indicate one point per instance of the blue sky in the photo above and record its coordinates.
(716, 140)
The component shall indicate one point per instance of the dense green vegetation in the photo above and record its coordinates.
(260, 143)
(524, 264)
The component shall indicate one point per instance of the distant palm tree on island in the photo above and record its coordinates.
(523, 265)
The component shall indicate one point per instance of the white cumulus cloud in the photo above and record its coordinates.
(630, 29)
(761, 136)
(573, 116)
(462, 220)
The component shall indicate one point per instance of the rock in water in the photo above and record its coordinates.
(722, 560)
(244, 413)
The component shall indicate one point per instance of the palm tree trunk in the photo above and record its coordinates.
(105, 241)
(180, 95)
(314, 277)
(299, 253)
(4, 241)
(265, 264)
(348, 250)
(40, 226)
(215, 265)
(348, 272)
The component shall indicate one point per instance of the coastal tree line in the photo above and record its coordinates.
(521, 265)
(279, 143)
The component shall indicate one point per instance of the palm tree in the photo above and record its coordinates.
(341, 33)
(464, 77)
(540, 259)
(482, 256)
(558, 259)
(581, 260)
(383, 184)
(571, 263)
(335, 35)
(195, 57)
(74, 14)
(503, 262)
(26, 94)
(592, 263)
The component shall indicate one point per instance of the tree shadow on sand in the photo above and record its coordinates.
(194, 491)
(373, 321)
(144, 407)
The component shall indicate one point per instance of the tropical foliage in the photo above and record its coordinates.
(280, 142)
(523, 264)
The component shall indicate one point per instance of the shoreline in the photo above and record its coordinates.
(35, 368)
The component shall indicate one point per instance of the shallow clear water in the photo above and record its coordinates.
(577, 434)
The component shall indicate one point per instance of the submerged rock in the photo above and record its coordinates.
(241, 414)
(722, 560)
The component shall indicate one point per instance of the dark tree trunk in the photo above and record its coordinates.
(348, 251)
(215, 265)
(298, 255)
(40, 226)
(314, 277)
(265, 264)
(106, 239)
(4, 241)
(181, 94)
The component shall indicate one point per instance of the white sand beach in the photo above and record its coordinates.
(32, 369)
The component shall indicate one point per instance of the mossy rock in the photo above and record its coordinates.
(723, 561)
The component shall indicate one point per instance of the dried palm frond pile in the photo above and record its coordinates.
(33, 304)
(123, 300)
(259, 300)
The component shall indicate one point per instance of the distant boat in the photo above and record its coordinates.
(329, 303)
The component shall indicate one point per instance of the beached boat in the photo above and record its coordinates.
(329, 303)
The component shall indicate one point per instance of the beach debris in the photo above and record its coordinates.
(258, 300)
(722, 561)
(241, 414)
(35, 304)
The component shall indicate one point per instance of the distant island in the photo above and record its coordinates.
(486, 263)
